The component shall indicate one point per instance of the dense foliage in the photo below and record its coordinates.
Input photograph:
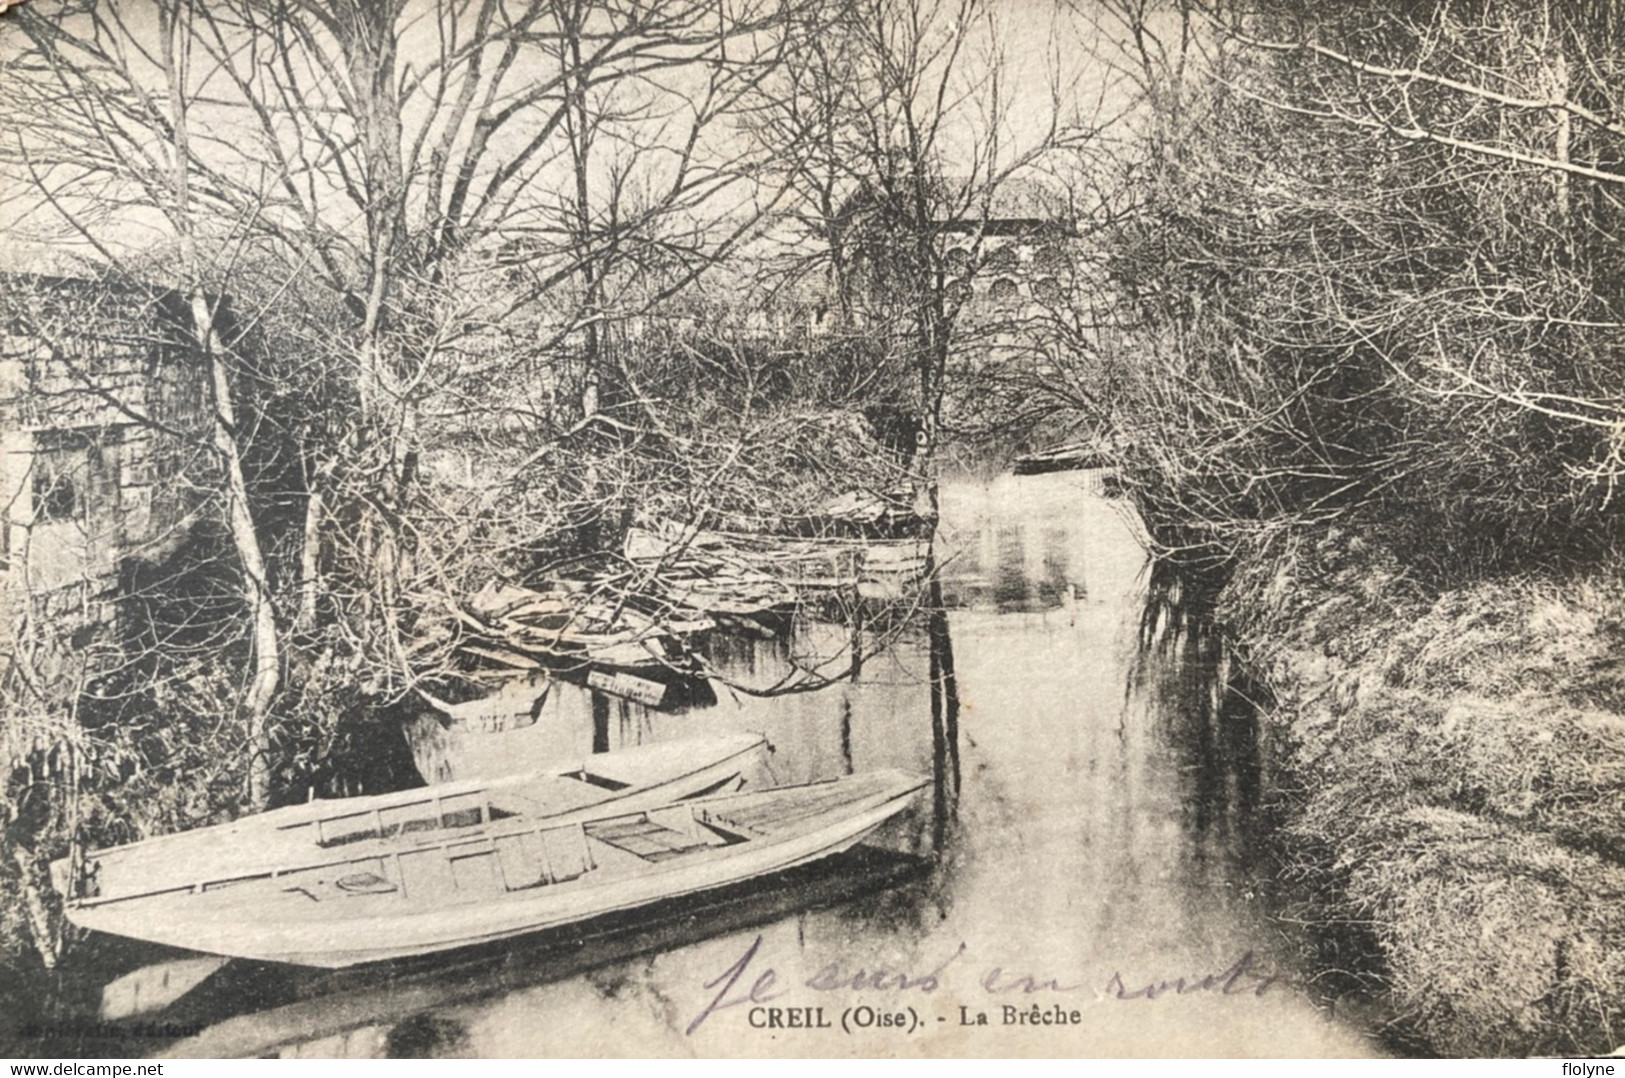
(1374, 279)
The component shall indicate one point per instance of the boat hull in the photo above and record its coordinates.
(377, 929)
(648, 776)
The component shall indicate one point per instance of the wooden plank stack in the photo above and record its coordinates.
(519, 626)
(742, 566)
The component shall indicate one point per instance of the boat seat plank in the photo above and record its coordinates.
(426, 876)
(767, 814)
(565, 853)
(477, 873)
(544, 797)
(645, 838)
(523, 860)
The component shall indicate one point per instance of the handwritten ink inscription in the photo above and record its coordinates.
(755, 986)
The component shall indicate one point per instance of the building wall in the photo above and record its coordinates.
(104, 455)
(1017, 275)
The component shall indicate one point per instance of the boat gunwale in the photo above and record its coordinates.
(382, 846)
(502, 924)
(715, 855)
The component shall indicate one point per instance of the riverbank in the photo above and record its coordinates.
(1452, 777)
(1091, 836)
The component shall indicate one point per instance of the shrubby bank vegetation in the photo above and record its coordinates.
(1373, 380)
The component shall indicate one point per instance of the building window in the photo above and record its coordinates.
(1004, 290)
(1047, 290)
(62, 469)
(56, 496)
(1049, 259)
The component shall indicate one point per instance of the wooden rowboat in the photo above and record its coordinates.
(300, 838)
(438, 892)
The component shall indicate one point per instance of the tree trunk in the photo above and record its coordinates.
(266, 649)
(310, 558)
(262, 616)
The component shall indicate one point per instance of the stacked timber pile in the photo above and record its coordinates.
(705, 575)
(876, 568)
(890, 514)
(1094, 453)
(524, 629)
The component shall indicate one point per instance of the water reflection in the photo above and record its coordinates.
(944, 692)
(1092, 815)
(825, 712)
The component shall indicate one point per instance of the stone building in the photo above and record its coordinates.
(104, 459)
(1010, 259)
(1018, 257)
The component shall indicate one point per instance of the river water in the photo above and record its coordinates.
(1089, 838)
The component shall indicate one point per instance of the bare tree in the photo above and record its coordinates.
(897, 132)
(1542, 105)
(437, 204)
(1371, 275)
(110, 78)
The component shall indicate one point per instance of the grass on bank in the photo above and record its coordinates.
(1458, 768)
